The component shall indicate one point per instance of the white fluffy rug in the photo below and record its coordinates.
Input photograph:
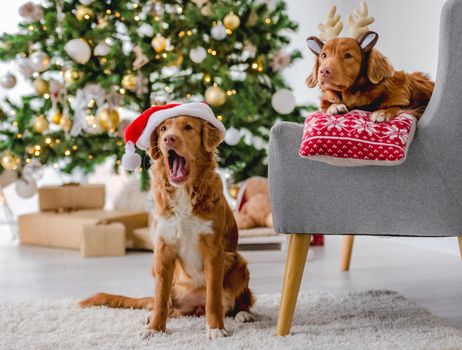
(329, 320)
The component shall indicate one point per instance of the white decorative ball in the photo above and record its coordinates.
(86, 2)
(39, 61)
(218, 32)
(24, 67)
(24, 188)
(232, 136)
(198, 54)
(102, 49)
(145, 30)
(78, 50)
(8, 81)
(33, 171)
(283, 101)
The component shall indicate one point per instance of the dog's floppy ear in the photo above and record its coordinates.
(312, 79)
(378, 67)
(368, 40)
(154, 150)
(314, 44)
(211, 137)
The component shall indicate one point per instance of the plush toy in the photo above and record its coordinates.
(253, 205)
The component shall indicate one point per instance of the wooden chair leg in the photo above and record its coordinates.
(295, 264)
(347, 249)
(460, 246)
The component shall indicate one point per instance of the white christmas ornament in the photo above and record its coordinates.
(33, 171)
(78, 50)
(24, 67)
(232, 136)
(198, 54)
(24, 188)
(102, 49)
(39, 61)
(218, 32)
(86, 2)
(145, 30)
(8, 80)
(283, 101)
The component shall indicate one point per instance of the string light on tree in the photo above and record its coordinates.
(72, 76)
(84, 13)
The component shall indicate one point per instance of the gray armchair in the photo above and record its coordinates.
(421, 198)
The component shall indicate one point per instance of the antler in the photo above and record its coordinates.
(359, 21)
(333, 26)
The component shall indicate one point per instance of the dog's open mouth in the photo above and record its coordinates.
(178, 167)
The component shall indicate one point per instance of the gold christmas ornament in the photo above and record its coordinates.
(9, 161)
(72, 76)
(108, 119)
(56, 118)
(41, 86)
(129, 81)
(177, 61)
(40, 124)
(159, 43)
(65, 123)
(231, 21)
(252, 19)
(215, 96)
(84, 13)
(234, 191)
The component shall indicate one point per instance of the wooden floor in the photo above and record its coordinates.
(431, 279)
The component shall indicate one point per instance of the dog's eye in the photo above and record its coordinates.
(188, 127)
(323, 55)
(348, 56)
(163, 128)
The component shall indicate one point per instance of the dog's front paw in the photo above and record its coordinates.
(337, 109)
(215, 333)
(380, 116)
(148, 333)
(244, 316)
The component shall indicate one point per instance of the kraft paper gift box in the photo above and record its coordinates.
(65, 230)
(71, 197)
(103, 240)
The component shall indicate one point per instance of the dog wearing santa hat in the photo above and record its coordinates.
(196, 266)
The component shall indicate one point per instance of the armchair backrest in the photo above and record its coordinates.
(446, 103)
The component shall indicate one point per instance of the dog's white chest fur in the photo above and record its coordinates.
(183, 230)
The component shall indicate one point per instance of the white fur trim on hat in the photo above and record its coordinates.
(192, 109)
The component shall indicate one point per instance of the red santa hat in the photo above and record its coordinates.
(139, 131)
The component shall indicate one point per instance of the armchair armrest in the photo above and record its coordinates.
(313, 197)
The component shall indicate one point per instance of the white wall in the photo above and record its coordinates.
(408, 32)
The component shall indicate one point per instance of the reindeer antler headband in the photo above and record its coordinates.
(358, 22)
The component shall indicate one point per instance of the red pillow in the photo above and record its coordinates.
(352, 139)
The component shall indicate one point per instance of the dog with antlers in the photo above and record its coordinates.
(352, 74)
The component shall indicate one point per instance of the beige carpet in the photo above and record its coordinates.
(324, 320)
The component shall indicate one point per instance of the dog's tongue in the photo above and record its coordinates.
(179, 167)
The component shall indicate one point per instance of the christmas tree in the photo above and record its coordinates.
(92, 61)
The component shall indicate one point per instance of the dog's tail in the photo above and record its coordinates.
(118, 301)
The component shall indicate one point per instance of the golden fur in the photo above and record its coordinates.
(355, 77)
(225, 289)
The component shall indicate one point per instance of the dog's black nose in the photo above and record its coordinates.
(170, 140)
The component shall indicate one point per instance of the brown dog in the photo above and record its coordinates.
(354, 75)
(196, 266)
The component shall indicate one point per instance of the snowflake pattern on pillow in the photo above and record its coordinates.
(352, 139)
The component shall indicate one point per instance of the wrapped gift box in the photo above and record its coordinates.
(65, 230)
(71, 197)
(103, 240)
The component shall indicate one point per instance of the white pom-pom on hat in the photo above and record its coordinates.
(131, 160)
